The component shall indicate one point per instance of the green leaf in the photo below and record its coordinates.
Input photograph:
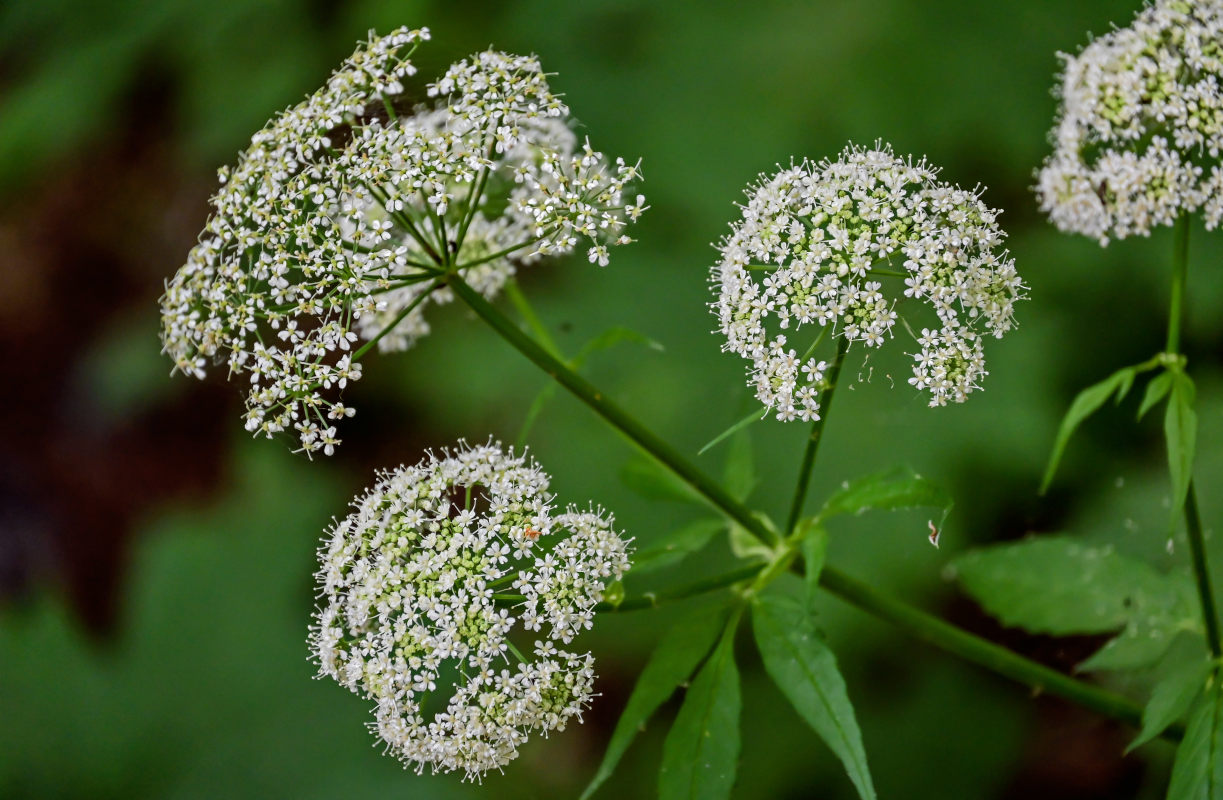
(675, 546)
(1176, 690)
(1180, 431)
(814, 545)
(892, 490)
(701, 753)
(672, 663)
(739, 476)
(805, 669)
(610, 338)
(1085, 404)
(605, 340)
(648, 478)
(744, 544)
(1157, 389)
(1140, 644)
(1055, 585)
(1197, 773)
(754, 416)
(537, 406)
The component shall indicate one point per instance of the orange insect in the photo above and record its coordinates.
(531, 534)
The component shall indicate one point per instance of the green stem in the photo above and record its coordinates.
(985, 653)
(1197, 549)
(1193, 521)
(633, 430)
(817, 436)
(420, 298)
(494, 256)
(538, 329)
(914, 621)
(1180, 268)
(703, 586)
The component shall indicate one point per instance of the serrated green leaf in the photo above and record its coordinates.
(1085, 404)
(805, 669)
(1180, 433)
(1157, 389)
(1172, 696)
(739, 474)
(1054, 585)
(1197, 773)
(650, 480)
(754, 416)
(675, 546)
(896, 489)
(701, 753)
(672, 663)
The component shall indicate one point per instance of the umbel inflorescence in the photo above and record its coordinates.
(1140, 130)
(833, 246)
(348, 211)
(412, 614)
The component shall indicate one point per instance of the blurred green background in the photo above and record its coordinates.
(155, 564)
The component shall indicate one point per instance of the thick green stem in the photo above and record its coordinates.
(985, 653)
(1193, 522)
(817, 436)
(1197, 550)
(1180, 268)
(914, 621)
(623, 422)
(538, 329)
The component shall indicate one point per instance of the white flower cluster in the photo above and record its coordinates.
(413, 613)
(1140, 130)
(345, 216)
(817, 243)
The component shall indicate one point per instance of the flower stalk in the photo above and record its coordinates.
(1193, 521)
(816, 436)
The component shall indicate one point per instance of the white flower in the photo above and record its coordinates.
(816, 243)
(1140, 127)
(342, 212)
(408, 587)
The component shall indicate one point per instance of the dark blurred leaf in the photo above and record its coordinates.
(1085, 404)
(1197, 773)
(649, 479)
(675, 546)
(701, 753)
(739, 476)
(805, 670)
(893, 490)
(609, 339)
(682, 648)
(744, 544)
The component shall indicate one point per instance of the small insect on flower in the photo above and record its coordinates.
(409, 611)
